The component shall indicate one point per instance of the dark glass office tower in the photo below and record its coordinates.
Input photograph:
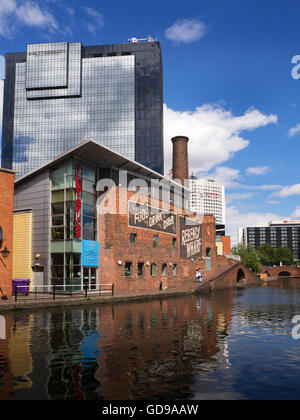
(278, 234)
(56, 95)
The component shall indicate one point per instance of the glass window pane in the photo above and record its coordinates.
(89, 173)
(57, 259)
(58, 172)
(58, 208)
(89, 222)
(57, 234)
(58, 220)
(58, 183)
(89, 199)
(89, 234)
(57, 196)
(88, 210)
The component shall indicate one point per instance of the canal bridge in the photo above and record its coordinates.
(284, 271)
(230, 274)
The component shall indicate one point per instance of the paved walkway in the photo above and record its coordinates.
(46, 300)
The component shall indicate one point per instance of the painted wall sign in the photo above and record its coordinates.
(145, 217)
(90, 253)
(190, 238)
(77, 232)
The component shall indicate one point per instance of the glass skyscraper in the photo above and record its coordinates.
(57, 95)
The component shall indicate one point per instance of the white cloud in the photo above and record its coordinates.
(236, 219)
(258, 170)
(28, 13)
(294, 130)
(223, 175)
(265, 187)
(97, 20)
(238, 197)
(287, 191)
(296, 214)
(213, 131)
(273, 202)
(186, 30)
(31, 14)
(7, 7)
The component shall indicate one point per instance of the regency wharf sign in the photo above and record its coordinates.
(145, 217)
(190, 238)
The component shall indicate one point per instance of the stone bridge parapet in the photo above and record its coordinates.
(230, 274)
(284, 271)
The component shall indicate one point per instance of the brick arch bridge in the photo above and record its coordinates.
(284, 271)
(229, 274)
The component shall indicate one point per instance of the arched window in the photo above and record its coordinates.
(153, 270)
(175, 270)
(164, 270)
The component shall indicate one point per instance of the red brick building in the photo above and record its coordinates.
(141, 251)
(6, 230)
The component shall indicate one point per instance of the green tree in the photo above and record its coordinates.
(267, 254)
(285, 256)
(248, 257)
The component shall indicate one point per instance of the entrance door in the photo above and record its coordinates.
(90, 277)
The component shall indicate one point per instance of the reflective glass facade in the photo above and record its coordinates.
(57, 95)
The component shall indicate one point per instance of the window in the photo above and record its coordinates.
(175, 270)
(153, 270)
(155, 241)
(164, 270)
(128, 269)
(133, 238)
(174, 244)
(141, 269)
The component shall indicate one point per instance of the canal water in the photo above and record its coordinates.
(234, 344)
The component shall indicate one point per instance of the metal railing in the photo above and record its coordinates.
(57, 291)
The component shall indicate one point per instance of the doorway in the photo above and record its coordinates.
(90, 277)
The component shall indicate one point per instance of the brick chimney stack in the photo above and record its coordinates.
(180, 158)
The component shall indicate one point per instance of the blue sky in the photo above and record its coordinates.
(228, 84)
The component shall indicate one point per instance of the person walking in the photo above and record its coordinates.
(201, 275)
(197, 276)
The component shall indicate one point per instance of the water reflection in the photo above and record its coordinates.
(225, 345)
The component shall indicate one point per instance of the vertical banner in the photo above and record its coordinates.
(78, 205)
(90, 253)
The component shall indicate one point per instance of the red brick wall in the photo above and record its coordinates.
(275, 271)
(6, 222)
(114, 238)
(226, 244)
